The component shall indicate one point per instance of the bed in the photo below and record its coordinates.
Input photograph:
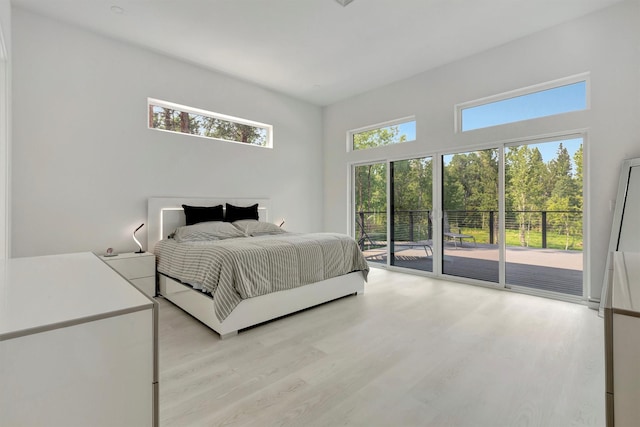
(249, 307)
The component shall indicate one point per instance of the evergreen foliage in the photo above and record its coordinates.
(535, 189)
(211, 127)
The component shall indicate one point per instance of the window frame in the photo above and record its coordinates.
(528, 90)
(197, 111)
(351, 133)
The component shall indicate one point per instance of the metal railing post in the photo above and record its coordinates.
(361, 240)
(491, 238)
(411, 226)
(405, 228)
(544, 229)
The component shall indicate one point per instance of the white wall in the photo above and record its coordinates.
(5, 121)
(5, 24)
(604, 43)
(84, 162)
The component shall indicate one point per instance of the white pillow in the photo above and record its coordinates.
(205, 231)
(252, 227)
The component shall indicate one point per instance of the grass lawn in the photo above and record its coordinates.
(554, 240)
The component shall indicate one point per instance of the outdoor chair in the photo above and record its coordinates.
(364, 236)
(425, 244)
(453, 236)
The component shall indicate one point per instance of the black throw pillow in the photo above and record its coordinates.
(196, 214)
(236, 213)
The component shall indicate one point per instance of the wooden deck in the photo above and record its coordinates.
(543, 269)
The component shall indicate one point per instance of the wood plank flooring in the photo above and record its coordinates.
(411, 351)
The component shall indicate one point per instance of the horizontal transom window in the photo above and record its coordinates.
(548, 99)
(393, 132)
(171, 117)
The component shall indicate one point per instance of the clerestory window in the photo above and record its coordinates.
(170, 117)
(548, 99)
(393, 132)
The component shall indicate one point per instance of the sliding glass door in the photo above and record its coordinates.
(411, 205)
(543, 208)
(469, 219)
(525, 231)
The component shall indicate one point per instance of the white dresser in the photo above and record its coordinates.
(78, 345)
(622, 341)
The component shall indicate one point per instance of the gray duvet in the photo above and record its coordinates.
(234, 269)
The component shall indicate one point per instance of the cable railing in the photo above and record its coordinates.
(534, 229)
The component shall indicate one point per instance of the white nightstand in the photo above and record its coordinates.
(138, 268)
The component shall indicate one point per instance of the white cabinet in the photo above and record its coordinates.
(138, 268)
(78, 345)
(622, 342)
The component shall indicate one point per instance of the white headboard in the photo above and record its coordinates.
(165, 214)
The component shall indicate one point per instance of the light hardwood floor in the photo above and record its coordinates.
(411, 351)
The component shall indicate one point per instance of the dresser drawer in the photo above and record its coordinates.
(134, 267)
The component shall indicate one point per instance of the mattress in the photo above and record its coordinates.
(236, 269)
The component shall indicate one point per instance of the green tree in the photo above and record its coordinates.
(412, 191)
(370, 180)
(195, 124)
(577, 160)
(231, 131)
(463, 174)
(525, 176)
(487, 186)
(470, 187)
(453, 192)
(371, 184)
(412, 183)
(565, 196)
(371, 200)
(377, 138)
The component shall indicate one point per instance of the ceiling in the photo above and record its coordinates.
(316, 50)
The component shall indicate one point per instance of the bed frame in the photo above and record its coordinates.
(165, 214)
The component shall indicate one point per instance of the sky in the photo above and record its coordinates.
(557, 100)
(548, 150)
(408, 129)
(561, 99)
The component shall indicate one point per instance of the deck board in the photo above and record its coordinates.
(548, 270)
